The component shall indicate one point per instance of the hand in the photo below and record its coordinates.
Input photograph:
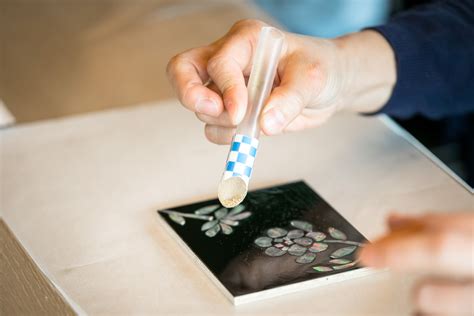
(315, 78)
(439, 244)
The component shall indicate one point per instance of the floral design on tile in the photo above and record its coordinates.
(305, 244)
(218, 219)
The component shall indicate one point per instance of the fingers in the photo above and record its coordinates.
(187, 74)
(396, 248)
(226, 69)
(218, 134)
(422, 249)
(431, 243)
(444, 298)
(230, 65)
(227, 62)
(460, 221)
(222, 120)
(219, 130)
(288, 99)
(463, 221)
(399, 221)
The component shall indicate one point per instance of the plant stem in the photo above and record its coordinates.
(190, 215)
(347, 242)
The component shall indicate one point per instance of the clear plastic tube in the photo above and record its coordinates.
(239, 165)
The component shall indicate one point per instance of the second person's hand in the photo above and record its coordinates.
(441, 246)
(315, 78)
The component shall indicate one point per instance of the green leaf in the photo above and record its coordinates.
(263, 242)
(211, 232)
(318, 247)
(303, 241)
(236, 210)
(276, 232)
(306, 258)
(336, 234)
(220, 213)
(341, 252)
(340, 261)
(302, 225)
(344, 266)
(240, 216)
(322, 269)
(317, 236)
(177, 218)
(274, 252)
(296, 250)
(206, 209)
(229, 222)
(226, 229)
(295, 233)
(209, 224)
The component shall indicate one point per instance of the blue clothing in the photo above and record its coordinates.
(434, 50)
(327, 18)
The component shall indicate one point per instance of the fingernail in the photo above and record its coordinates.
(239, 116)
(273, 121)
(207, 106)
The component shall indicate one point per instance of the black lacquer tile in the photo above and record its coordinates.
(244, 262)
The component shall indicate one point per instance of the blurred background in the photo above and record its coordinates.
(64, 57)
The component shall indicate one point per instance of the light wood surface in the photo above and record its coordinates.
(81, 195)
(24, 290)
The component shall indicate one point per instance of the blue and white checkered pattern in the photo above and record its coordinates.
(241, 157)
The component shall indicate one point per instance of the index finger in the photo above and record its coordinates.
(452, 220)
(187, 74)
(417, 249)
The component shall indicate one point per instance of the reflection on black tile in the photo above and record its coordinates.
(279, 236)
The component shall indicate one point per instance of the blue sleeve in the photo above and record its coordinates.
(434, 51)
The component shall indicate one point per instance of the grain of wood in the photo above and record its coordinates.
(24, 290)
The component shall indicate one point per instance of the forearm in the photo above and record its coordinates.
(433, 49)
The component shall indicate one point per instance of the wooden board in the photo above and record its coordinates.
(24, 290)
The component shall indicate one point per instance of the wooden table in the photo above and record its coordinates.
(80, 194)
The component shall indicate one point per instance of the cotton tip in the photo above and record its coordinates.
(238, 170)
(232, 191)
